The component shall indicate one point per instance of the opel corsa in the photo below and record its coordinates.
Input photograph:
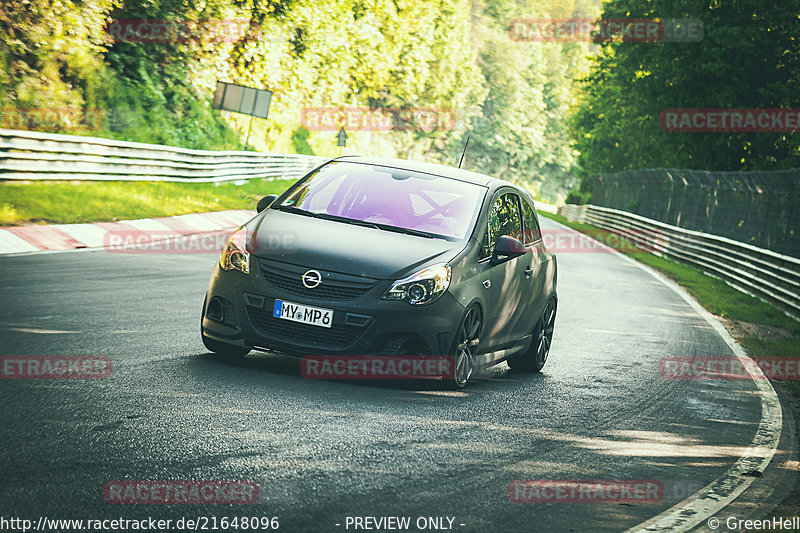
(367, 256)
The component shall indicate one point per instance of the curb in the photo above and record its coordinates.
(62, 237)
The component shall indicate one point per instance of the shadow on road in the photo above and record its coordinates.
(290, 366)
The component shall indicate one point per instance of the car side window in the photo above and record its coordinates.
(532, 231)
(485, 249)
(504, 219)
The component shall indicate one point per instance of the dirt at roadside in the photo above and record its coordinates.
(789, 392)
(739, 329)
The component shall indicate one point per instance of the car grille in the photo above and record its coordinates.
(335, 286)
(337, 336)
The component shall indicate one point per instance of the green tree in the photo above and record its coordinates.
(518, 130)
(749, 58)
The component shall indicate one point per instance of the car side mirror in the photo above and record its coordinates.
(266, 202)
(506, 248)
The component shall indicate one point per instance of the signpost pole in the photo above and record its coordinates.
(249, 125)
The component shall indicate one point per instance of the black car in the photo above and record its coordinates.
(378, 256)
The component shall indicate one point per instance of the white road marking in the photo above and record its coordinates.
(42, 331)
(94, 236)
(148, 224)
(240, 216)
(199, 222)
(11, 244)
(714, 497)
(88, 234)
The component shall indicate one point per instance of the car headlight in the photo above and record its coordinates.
(234, 254)
(421, 288)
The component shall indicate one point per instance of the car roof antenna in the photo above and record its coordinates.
(464, 152)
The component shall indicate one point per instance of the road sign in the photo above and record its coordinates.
(244, 100)
(241, 99)
(341, 137)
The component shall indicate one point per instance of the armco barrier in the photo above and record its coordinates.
(763, 273)
(30, 155)
(758, 207)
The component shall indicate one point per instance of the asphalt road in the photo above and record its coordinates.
(321, 451)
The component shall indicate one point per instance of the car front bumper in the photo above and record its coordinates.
(365, 325)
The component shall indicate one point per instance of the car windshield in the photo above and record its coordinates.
(389, 198)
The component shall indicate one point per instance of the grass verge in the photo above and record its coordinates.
(103, 201)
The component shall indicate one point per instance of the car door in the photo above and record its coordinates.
(534, 262)
(506, 316)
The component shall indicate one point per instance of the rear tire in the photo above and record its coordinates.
(536, 356)
(224, 349)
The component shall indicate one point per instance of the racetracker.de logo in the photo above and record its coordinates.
(730, 368)
(606, 30)
(55, 366)
(730, 120)
(124, 241)
(181, 492)
(377, 367)
(378, 119)
(177, 31)
(568, 241)
(161, 242)
(586, 491)
(51, 118)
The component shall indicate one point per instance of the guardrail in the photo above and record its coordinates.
(30, 155)
(763, 273)
(759, 207)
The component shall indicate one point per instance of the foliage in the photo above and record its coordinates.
(300, 141)
(577, 197)
(749, 57)
(519, 131)
(451, 55)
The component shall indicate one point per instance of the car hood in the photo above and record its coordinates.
(341, 247)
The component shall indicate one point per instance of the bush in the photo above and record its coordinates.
(300, 141)
(578, 197)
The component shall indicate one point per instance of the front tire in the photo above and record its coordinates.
(465, 347)
(536, 356)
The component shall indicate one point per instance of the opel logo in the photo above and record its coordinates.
(312, 278)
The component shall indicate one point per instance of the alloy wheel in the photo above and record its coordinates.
(467, 344)
(546, 333)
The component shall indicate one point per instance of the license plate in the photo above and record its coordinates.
(305, 314)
